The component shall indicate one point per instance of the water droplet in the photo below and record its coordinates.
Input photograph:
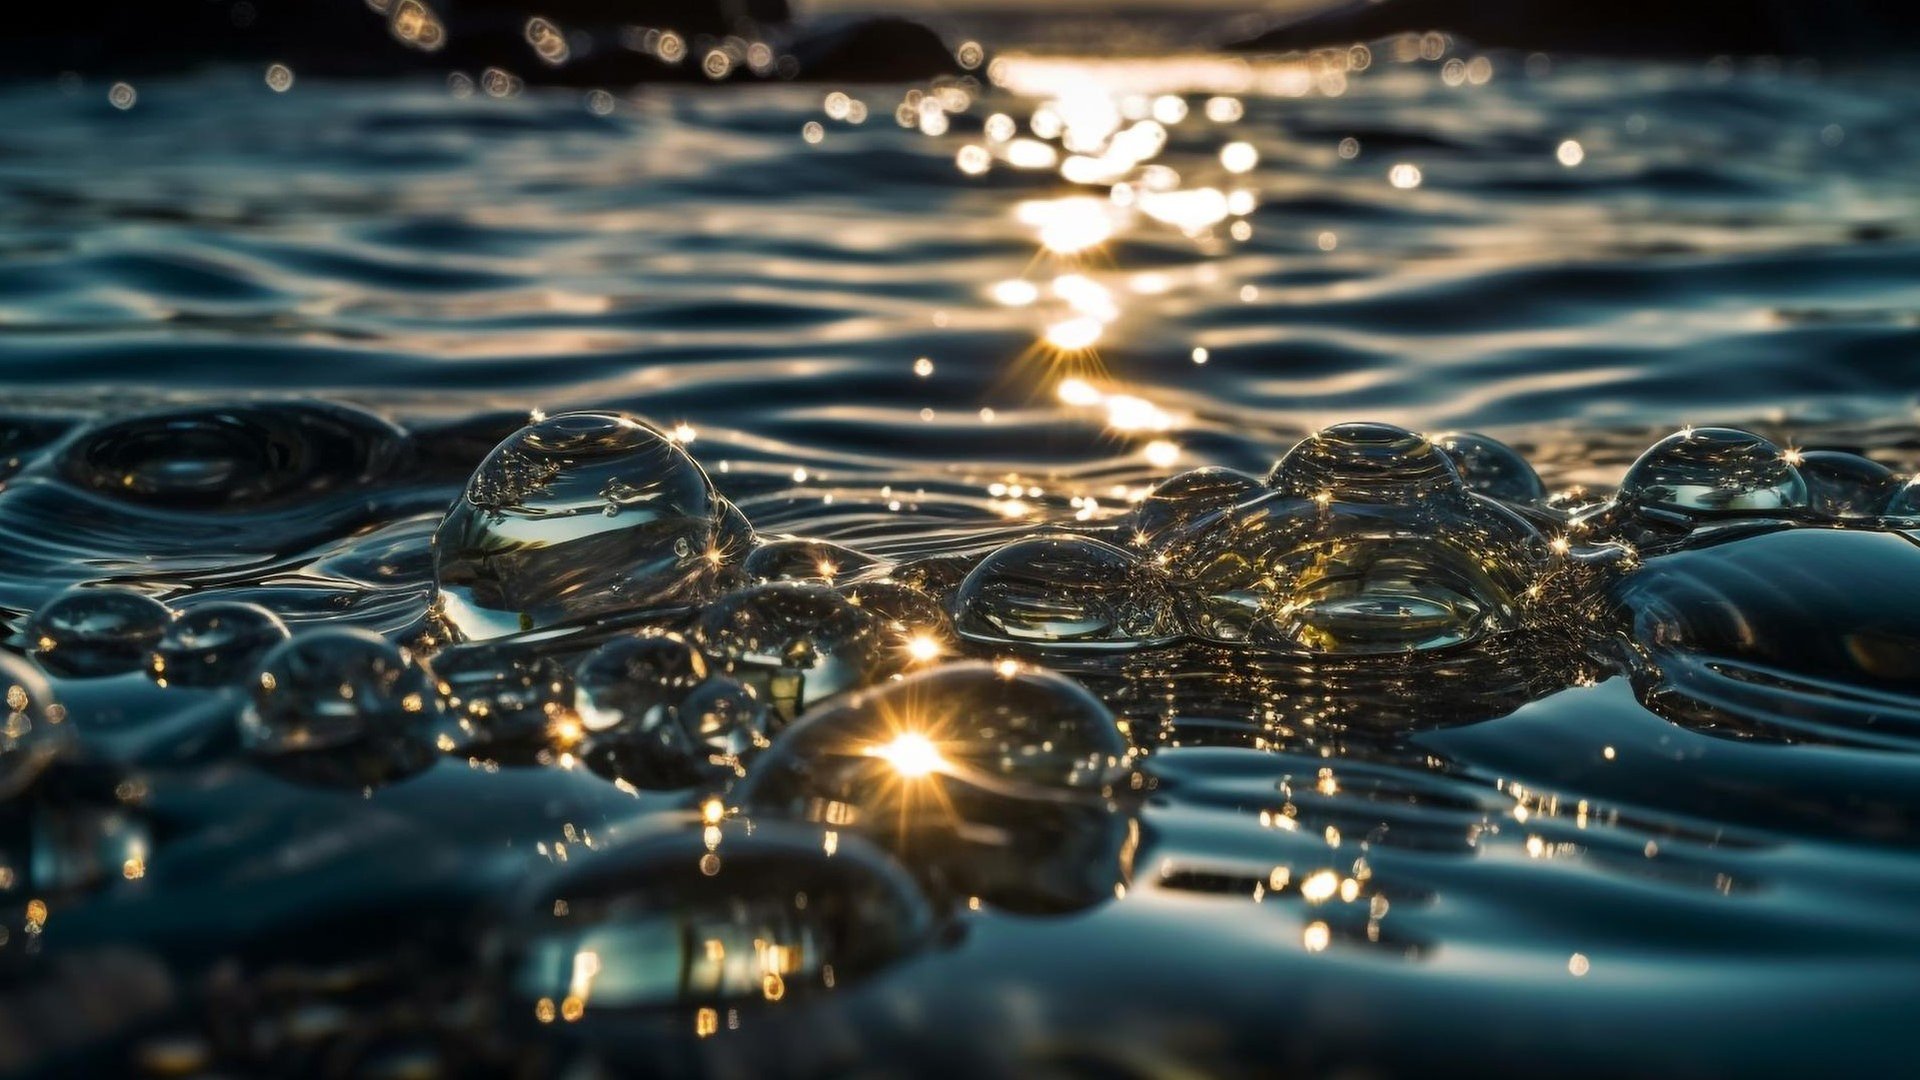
(1843, 485)
(1492, 468)
(1063, 590)
(1178, 502)
(28, 735)
(906, 611)
(795, 643)
(340, 707)
(1707, 471)
(213, 644)
(1370, 543)
(998, 774)
(808, 560)
(1905, 502)
(507, 698)
(580, 514)
(643, 924)
(234, 457)
(635, 682)
(1365, 463)
(88, 632)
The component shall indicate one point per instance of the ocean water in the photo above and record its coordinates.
(1378, 778)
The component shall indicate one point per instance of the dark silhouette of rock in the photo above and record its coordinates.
(1619, 27)
(123, 38)
(881, 49)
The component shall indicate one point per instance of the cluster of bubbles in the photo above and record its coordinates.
(849, 747)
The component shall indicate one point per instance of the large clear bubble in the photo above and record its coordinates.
(1707, 472)
(1842, 484)
(1064, 591)
(1369, 543)
(999, 776)
(214, 644)
(87, 631)
(793, 559)
(580, 514)
(1492, 468)
(341, 706)
(1175, 504)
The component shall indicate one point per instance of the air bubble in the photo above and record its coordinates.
(214, 644)
(1365, 463)
(634, 680)
(1708, 471)
(88, 632)
(1846, 485)
(1064, 590)
(341, 706)
(795, 643)
(809, 560)
(1492, 468)
(580, 514)
(999, 774)
(506, 698)
(1178, 502)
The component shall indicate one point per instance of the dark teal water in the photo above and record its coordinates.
(1661, 816)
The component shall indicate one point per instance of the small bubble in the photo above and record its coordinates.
(923, 367)
(1404, 176)
(279, 78)
(813, 132)
(1349, 148)
(970, 54)
(1570, 153)
(600, 103)
(122, 96)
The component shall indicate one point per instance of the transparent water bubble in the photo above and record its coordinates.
(1180, 501)
(795, 643)
(214, 644)
(87, 632)
(233, 457)
(692, 916)
(31, 733)
(1707, 471)
(636, 682)
(580, 514)
(999, 775)
(505, 699)
(341, 706)
(707, 736)
(1841, 484)
(1370, 543)
(808, 560)
(1492, 468)
(1064, 590)
(1366, 463)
